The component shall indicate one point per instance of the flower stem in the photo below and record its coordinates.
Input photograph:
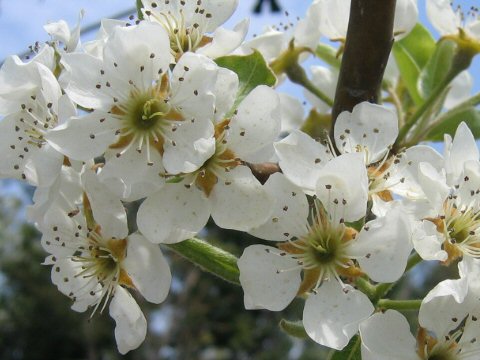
(464, 106)
(399, 304)
(365, 286)
(297, 75)
(209, 258)
(413, 260)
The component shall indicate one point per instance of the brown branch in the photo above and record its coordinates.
(368, 44)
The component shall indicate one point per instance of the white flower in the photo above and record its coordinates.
(139, 106)
(188, 24)
(94, 259)
(33, 103)
(325, 79)
(448, 21)
(371, 130)
(449, 319)
(453, 202)
(324, 249)
(223, 186)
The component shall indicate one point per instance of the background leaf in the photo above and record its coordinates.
(436, 68)
(450, 123)
(412, 54)
(350, 352)
(252, 70)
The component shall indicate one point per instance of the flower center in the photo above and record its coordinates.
(322, 252)
(460, 228)
(145, 116)
(222, 160)
(183, 38)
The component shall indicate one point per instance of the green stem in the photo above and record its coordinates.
(365, 286)
(399, 304)
(423, 108)
(297, 75)
(210, 258)
(139, 9)
(471, 102)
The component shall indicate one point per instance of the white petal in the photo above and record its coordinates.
(264, 283)
(290, 211)
(462, 149)
(428, 242)
(190, 145)
(301, 158)
(225, 41)
(442, 16)
(221, 10)
(147, 268)
(333, 17)
(240, 202)
(406, 16)
(382, 251)
(43, 166)
(369, 128)
(270, 44)
(433, 185)
(80, 80)
(387, 336)
(331, 316)
(86, 137)
(444, 306)
(131, 325)
(257, 122)
(342, 187)
(193, 84)
(292, 112)
(130, 177)
(108, 210)
(404, 180)
(173, 208)
(460, 89)
(225, 92)
(139, 53)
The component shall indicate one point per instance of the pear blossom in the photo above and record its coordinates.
(189, 23)
(371, 130)
(452, 205)
(223, 186)
(325, 79)
(138, 106)
(94, 259)
(32, 100)
(448, 318)
(325, 249)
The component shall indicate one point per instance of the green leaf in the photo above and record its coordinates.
(437, 67)
(412, 54)
(450, 122)
(252, 70)
(174, 179)
(328, 54)
(350, 352)
(293, 328)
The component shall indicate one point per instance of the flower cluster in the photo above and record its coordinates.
(164, 112)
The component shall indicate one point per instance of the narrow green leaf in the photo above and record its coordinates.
(174, 179)
(350, 352)
(293, 328)
(436, 68)
(328, 54)
(412, 54)
(209, 258)
(252, 70)
(449, 124)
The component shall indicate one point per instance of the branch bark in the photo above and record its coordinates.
(368, 44)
